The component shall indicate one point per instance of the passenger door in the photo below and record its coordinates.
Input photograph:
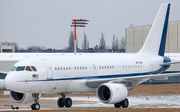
(48, 69)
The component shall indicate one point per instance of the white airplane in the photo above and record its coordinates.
(110, 76)
(7, 60)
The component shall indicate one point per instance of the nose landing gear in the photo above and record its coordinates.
(36, 105)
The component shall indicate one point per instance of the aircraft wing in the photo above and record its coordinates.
(130, 82)
(134, 80)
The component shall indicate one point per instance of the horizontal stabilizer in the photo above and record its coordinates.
(170, 63)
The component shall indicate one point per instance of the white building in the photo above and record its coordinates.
(10, 48)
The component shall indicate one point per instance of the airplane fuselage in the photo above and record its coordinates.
(68, 74)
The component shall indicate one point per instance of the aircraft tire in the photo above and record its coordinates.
(117, 105)
(35, 106)
(60, 102)
(125, 103)
(68, 102)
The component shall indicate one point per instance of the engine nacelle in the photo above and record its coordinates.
(111, 93)
(21, 97)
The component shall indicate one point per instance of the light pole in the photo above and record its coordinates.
(78, 23)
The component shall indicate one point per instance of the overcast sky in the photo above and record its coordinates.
(48, 22)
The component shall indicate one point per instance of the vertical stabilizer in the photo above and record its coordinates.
(156, 39)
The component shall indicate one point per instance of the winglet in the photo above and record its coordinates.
(156, 39)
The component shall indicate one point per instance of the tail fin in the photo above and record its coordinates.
(156, 39)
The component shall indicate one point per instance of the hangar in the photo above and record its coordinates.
(135, 37)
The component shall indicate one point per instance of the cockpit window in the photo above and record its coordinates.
(28, 68)
(34, 69)
(20, 68)
(13, 68)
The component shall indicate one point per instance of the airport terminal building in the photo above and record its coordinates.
(135, 37)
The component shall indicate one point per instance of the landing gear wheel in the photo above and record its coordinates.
(68, 102)
(35, 106)
(60, 102)
(125, 103)
(117, 105)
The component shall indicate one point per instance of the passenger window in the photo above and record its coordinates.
(99, 67)
(107, 67)
(55, 68)
(20, 68)
(58, 68)
(86, 67)
(28, 68)
(78, 68)
(33, 68)
(13, 68)
(61, 68)
(83, 67)
(69, 68)
(66, 68)
(75, 68)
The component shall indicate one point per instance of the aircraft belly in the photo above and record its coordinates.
(79, 86)
(44, 87)
(54, 87)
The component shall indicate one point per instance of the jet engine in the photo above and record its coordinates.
(21, 97)
(111, 92)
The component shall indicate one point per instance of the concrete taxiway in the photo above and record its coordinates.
(48, 103)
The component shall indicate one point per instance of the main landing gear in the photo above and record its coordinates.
(67, 102)
(124, 104)
(36, 105)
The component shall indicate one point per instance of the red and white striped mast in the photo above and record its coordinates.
(78, 23)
